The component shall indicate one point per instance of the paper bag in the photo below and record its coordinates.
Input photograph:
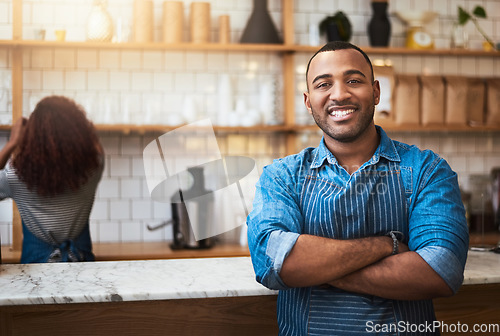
(456, 100)
(432, 100)
(407, 100)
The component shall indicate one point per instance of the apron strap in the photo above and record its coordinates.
(35, 250)
(66, 252)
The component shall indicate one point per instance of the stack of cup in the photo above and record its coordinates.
(224, 37)
(143, 21)
(173, 21)
(200, 22)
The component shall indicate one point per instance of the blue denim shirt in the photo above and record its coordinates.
(400, 188)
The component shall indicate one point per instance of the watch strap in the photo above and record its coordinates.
(396, 236)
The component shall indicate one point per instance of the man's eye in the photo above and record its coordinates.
(322, 85)
(353, 81)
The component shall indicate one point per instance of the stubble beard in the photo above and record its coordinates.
(336, 133)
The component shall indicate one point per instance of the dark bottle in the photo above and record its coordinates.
(379, 27)
(260, 27)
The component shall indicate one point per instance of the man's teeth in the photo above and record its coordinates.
(341, 113)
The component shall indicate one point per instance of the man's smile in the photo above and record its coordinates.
(340, 111)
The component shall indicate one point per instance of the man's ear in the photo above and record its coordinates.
(307, 102)
(376, 92)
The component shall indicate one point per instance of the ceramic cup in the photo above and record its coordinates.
(39, 34)
(60, 35)
(224, 28)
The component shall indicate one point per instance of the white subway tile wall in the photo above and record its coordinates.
(123, 208)
(124, 86)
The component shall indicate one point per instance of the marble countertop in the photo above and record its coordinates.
(482, 268)
(161, 280)
(128, 281)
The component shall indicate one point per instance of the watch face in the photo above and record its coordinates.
(422, 38)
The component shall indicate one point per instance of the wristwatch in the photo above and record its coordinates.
(395, 242)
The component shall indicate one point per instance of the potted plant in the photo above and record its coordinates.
(478, 12)
(337, 27)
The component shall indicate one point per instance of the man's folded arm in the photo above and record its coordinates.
(317, 260)
(405, 276)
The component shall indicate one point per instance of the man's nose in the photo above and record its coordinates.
(339, 92)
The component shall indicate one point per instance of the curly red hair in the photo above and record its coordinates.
(60, 148)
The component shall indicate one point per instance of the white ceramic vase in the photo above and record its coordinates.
(99, 23)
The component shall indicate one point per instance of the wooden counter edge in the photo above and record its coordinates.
(473, 305)
(146, 251)
(244, 315)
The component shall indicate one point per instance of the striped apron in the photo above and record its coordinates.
(372, 201)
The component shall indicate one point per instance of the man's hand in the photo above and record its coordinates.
(346, 281)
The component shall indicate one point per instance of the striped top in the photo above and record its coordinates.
(401, 188)
(51, 219)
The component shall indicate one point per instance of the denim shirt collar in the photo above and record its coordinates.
(385, 149)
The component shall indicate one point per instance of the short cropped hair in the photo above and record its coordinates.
(340, 45)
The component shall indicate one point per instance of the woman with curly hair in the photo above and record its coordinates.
(56, 165)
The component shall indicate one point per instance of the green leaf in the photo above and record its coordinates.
(479, 12)
(463, 16)
(341, 21)
(344, 26)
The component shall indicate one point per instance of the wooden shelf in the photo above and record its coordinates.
(421, 128)
(146, 46)
(441, 128)
(406, 51)
(488, 238)
(143, 129)
(244, 47)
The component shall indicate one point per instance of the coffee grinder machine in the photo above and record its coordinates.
(192, 214)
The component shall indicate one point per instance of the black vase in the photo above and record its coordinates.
(379, 27)
(260, 27)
